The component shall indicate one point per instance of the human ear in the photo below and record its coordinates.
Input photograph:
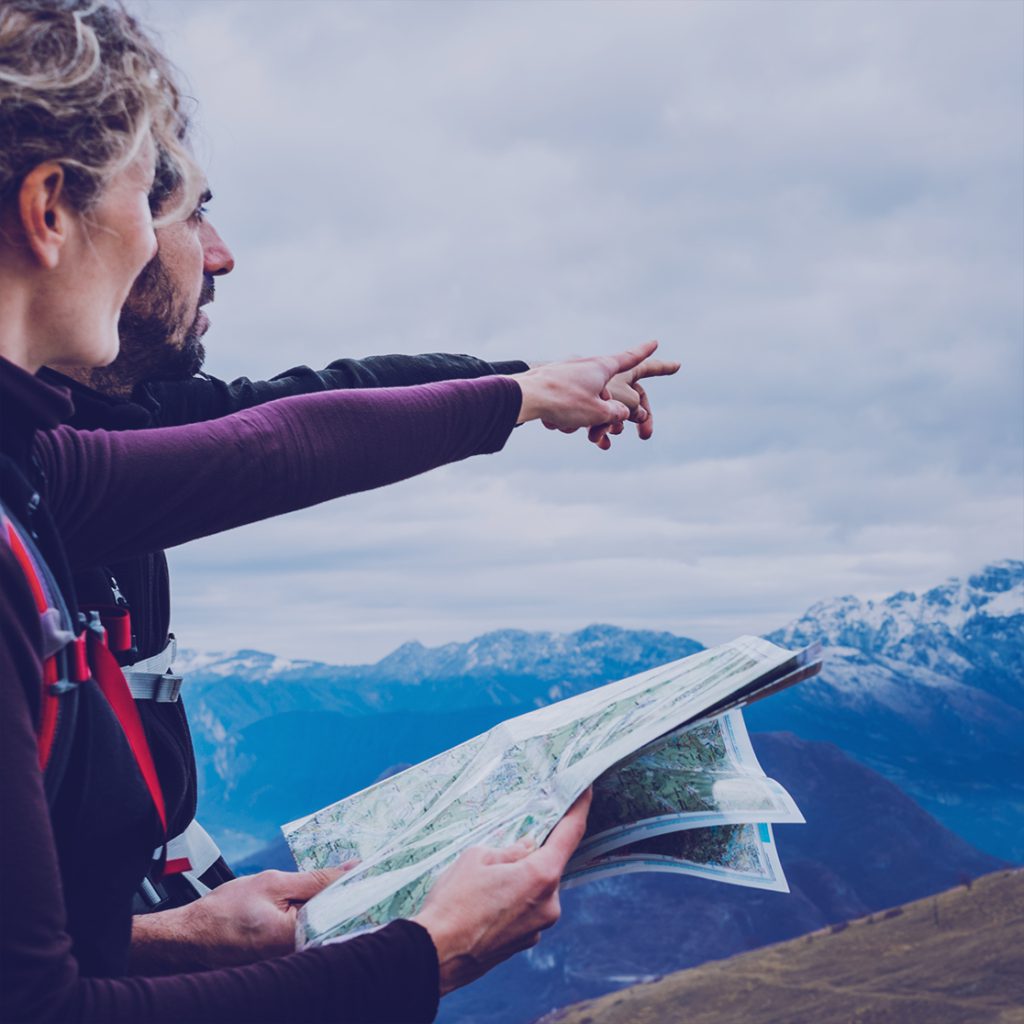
(44, 217)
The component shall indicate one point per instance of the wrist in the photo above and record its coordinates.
(530, 404)
(449, 956)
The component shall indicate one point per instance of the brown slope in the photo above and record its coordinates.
(955, 958)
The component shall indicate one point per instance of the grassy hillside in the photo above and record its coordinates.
(955, 958)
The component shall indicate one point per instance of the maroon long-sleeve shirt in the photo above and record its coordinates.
(67, 871)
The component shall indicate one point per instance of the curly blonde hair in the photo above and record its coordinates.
(83, 85)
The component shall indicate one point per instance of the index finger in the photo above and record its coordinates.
(658, 368)
(561, 844)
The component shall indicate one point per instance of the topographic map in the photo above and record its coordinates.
(677, 787)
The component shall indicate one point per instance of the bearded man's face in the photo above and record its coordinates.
(162, 323)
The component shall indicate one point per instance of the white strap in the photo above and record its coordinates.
(159, 663)
(197, 846)
(149, 686)
(152, 678)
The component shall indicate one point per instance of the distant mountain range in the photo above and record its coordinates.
(506, 668)
(254, 715)
(928, 689)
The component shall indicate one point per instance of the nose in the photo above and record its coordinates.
(217, 257)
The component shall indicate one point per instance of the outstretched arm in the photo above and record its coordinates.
(206, 398)
(115, 495)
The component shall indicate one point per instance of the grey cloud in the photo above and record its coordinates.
(816, 207)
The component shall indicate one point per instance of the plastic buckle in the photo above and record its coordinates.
(168, 689)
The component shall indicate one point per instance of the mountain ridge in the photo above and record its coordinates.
(928, 689)
(901, 626)
(947, 959)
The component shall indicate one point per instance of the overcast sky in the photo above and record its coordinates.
(816, 207)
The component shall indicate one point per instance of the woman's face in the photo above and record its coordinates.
(106, 249)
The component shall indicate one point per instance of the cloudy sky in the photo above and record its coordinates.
(816, 207)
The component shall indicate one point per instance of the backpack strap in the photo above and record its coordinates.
(64, 662)
(110, 679)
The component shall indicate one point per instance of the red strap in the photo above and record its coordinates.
(78, 659)
(177, 865)
(49, 705)
(118, 624)
(28, 567)
(110, 678)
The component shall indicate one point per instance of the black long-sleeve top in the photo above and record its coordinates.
(67, 872)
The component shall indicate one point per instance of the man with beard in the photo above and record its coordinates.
(156, 381)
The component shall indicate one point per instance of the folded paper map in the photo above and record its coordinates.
(676, 787)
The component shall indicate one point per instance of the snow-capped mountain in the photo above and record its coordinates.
(910, 627)
(965, 631)
(964, 638)
(506, 668)
(929, 690)
(255, 666)
(588, 653)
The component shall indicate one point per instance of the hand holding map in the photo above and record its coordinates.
(515, 890)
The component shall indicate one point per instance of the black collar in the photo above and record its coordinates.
(27, 404)
(97, 411)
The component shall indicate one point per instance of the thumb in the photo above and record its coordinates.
(304, 885)
(633, 357)
(563, 839)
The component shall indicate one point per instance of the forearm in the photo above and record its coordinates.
(163, 943)
(391, 371)
(115, 495)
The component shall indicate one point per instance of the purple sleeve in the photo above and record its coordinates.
(119, 494)
(391, 975)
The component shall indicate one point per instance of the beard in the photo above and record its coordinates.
(150, 326)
